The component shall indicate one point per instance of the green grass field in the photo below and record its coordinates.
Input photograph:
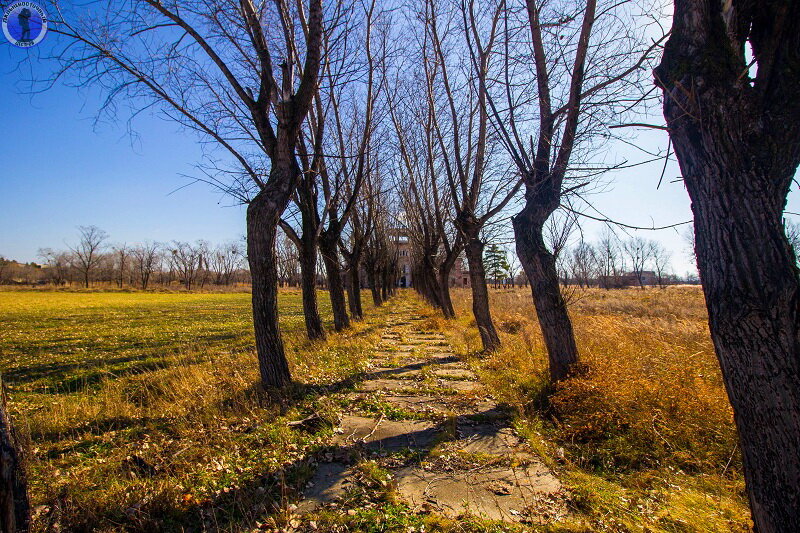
(143, 409)
(62, 342)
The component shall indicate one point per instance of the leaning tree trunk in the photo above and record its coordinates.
(14, 504)
(738, 186)
(539, 265)
(327, 246)
(263, 214)
(480, 295)
(308, 284)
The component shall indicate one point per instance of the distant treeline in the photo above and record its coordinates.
(93, 260)
(612, 263)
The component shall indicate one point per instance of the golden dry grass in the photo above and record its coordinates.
(645, 436)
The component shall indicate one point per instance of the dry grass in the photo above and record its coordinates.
(645, 436)
(142, 411)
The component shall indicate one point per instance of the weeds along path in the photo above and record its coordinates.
(420, 430)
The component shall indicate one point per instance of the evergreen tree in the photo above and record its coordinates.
(496, 263)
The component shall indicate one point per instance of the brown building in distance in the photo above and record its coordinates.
(459, 277)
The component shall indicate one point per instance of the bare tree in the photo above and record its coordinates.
(638, 252)
(332, 154)
(610, 262)
(580, 86)
(424, 195)
(351, 126)
(58, 263)
(211, 66)
(660, 258)
(88, 251)
(583, 258)
(380, 251)
(121, 257)
(462, 132)
(224, 260)
(288, 261)
(729, 75)
(187, 260)
(145, 261)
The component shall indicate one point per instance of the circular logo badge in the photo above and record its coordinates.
(24, 24)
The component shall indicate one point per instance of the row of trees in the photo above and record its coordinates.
(459, 105)
(93, 259)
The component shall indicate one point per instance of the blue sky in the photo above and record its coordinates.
(60, 170)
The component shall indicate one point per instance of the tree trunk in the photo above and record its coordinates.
(372, 280)
(263, 214)
(750, 280)
(308, 282)
(737, 141)
(427, 284)
(444, 294)
(444, 285)
(480, 295)
(384, 284)
(539, 265)
(327, 246)
(14, 504)
(354, 299)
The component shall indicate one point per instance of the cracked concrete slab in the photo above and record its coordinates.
(493, 493)
(386, 385)
(382, 434)
(457, 373)
(328, 484)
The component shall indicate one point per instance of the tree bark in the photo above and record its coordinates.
(750, 280)
(263, 214)
(308, 283)
(444, 294)
(444, 285)
(737, 140)
(480, 295)
(14, 504)
(539, 265)
(372, 280)
(328, 247)
(354, 298)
